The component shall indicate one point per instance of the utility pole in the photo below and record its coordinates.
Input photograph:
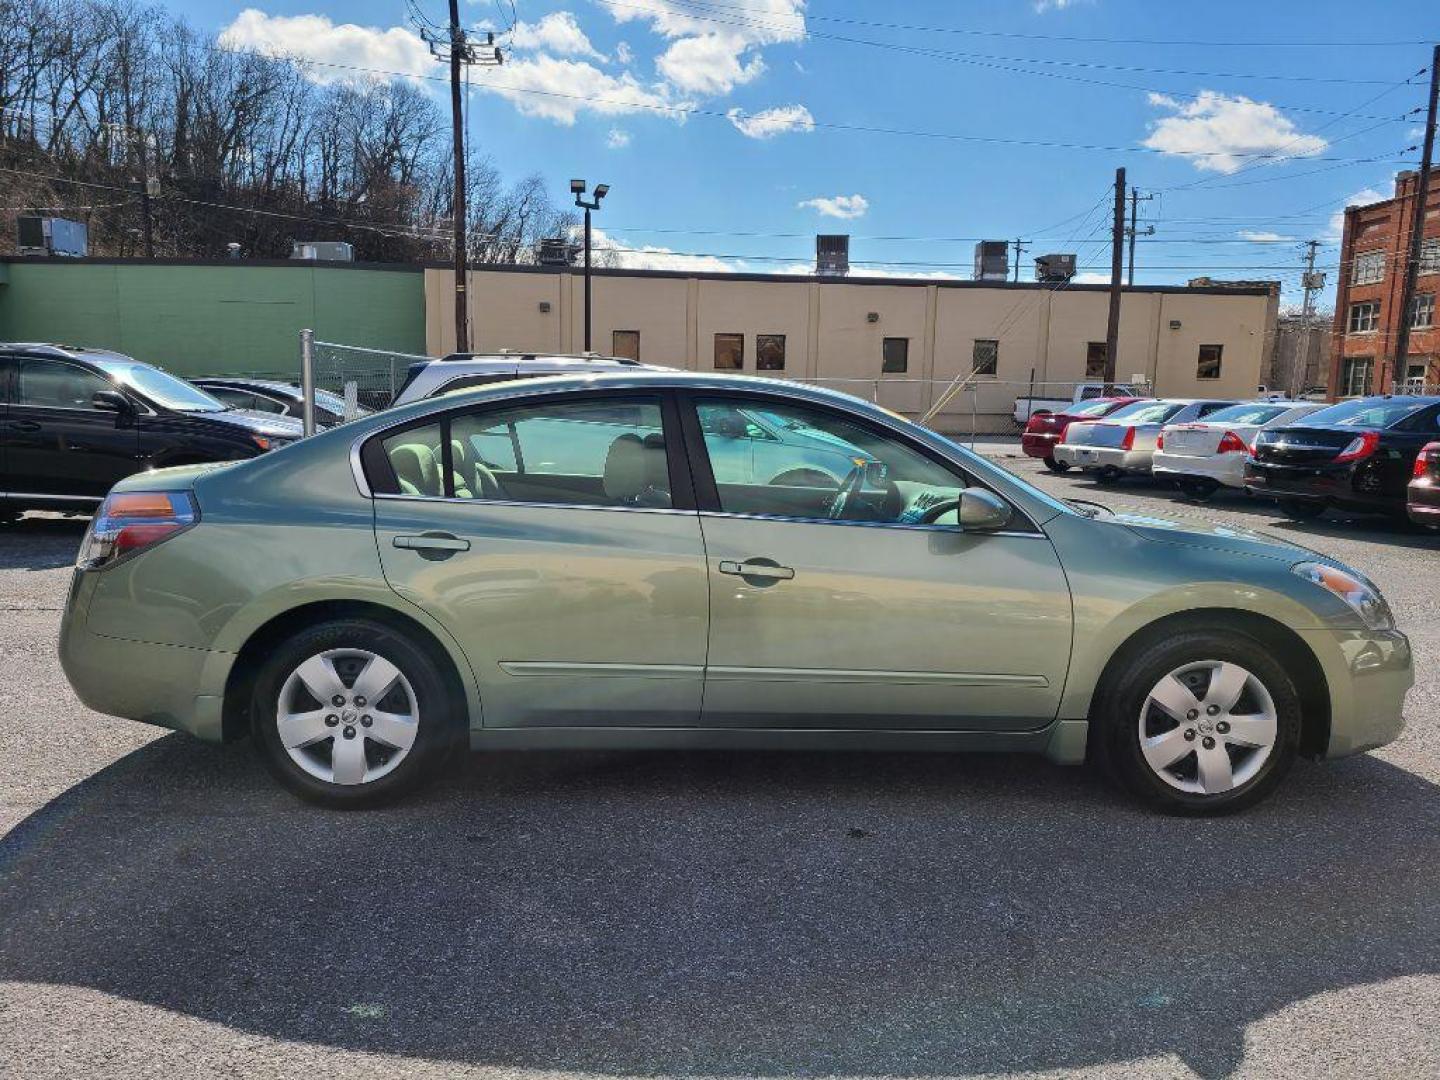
(1135, 200)
(1417, 230)
(1117, 266)
(454, 46)
(147, 183)
(1313, 282)
(1020, 246)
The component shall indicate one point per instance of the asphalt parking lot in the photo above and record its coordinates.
(165, 910)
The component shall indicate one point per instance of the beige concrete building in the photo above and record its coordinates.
(896, 341)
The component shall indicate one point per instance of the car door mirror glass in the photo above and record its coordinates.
(110, 401)
(983, 511)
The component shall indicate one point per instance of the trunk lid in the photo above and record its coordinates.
(1096, 433)
(1302, 445)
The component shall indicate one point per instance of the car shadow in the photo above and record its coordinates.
(41, 542)
(724, 913)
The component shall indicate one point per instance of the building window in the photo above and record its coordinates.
(626, 344)
(1208, 366)
(895, 355)
(769, 352)
(1095, 353)
(1355, 376)
(1430, 256)
(1415, 375)
(729, 352)
(1422, 311)
(1364, 317)
(1369, 267)
(986, 356)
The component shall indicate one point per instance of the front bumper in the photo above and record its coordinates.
(1368, 673)
(1104, 457)
(1226, 469)
(171, 686)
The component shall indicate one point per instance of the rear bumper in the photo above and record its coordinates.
(1226, 469)
(1039, 444)
(1368, 673)
(1104, 457)
(1332, 486)
(171, 686)
(1423, 504)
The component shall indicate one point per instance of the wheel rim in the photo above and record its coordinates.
(347, 716)
(1208, 727)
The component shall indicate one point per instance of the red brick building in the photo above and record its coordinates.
(1367, 302)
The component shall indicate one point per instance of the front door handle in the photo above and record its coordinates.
(433, 545)
(760, 569)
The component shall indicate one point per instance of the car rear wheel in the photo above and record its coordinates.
(352, 714)
(1202, 722)
(1056, 465)
(1302, 509)
(1198, 488)
(1109, 475)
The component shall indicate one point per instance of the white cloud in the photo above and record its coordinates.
(708, 59)
(1091, 277)
(623, 53)
(556, 89)
(557, 32)
(1217, 131)
(315, 37)
(768, 123)
(627, 256)
(1363, 197)
(617, 139)
(845, 207)
(1261, 236)
(1042, 6)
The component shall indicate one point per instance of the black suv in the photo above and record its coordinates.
(74, 421)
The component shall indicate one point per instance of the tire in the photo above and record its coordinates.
(1056, 466)
(1109, 475)
(1197, 488)
(1183, 667)
(418, 708)
(1301, 509)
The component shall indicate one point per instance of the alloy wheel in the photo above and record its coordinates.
(347, 716)
(1208, 727)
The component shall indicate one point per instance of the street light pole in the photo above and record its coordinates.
(601, 190)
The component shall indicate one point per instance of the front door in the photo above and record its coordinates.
(59, 444)
(859, 603)
(551, 542)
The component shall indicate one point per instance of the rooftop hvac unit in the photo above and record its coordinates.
(1054, 267)
(323, 251)
(992, 260)
(52, 236)
(832, 254)
(556, 251)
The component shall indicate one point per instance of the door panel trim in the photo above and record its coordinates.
(541, 668)
(896, 678)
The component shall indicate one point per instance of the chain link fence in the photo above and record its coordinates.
(369, 378)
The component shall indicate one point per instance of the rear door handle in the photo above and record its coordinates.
(432, 542)
(753, 568)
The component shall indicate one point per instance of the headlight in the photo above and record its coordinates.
(1362, 597)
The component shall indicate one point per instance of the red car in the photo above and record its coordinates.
(1045, 429)
(1423, 500)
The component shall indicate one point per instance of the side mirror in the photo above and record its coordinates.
(983, 511)
(111, 401)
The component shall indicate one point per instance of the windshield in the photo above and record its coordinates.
(1098, 407)
(161, 387)
(1365, 413)
(1247, 414)
(1146, 412)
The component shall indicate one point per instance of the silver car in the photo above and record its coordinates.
(1124, 442)
(465, 371)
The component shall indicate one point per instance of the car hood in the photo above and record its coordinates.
(1203, 534)
(258, 423)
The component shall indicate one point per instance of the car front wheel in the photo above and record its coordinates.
(1203, 722)
(352, 714)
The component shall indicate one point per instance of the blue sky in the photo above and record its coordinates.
(724, 125)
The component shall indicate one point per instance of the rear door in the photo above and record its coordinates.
(556, 539)
(7, 369)
(60, 445)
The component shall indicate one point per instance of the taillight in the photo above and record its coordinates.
(1128, 443)
(1159, 440)
(1064, 430)
(1230, 443)
(1362, 446)
(129, 522)
(1429, 456)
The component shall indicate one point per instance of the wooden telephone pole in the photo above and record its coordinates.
(1117, 270)
(1417, 233)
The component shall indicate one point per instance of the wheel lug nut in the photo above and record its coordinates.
(360, 701)
(1212, 710)
(331, 720)
(1223, 727)
(338, 700)
(349, 733)
(366, 720)
(1189, 734)
(1208, 743)
(1192, 714)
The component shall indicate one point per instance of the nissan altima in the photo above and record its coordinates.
(560, 563)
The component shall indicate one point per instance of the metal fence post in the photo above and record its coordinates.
(307, 378)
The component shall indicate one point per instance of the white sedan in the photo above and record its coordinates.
(1208, 454)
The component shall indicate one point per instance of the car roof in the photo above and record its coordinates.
(240, 380)
(504, 359)
(66, 352)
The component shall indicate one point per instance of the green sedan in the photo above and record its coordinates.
(558, 563)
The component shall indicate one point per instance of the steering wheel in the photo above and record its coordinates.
(849, 497)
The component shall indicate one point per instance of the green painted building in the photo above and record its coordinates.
(199, 318)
